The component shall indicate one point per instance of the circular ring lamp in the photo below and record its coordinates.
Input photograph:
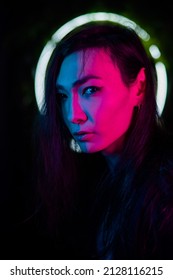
(98, 16)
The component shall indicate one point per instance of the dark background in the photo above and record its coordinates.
(24, 30)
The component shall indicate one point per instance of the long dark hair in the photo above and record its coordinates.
(59, 167)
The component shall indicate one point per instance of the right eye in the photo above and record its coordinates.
(62, 96)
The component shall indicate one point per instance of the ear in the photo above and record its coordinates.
(139, 87)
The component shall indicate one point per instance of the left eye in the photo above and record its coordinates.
(90, 90)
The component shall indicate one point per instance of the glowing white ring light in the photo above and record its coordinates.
(99, 16)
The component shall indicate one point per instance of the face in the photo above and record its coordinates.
(97, 106)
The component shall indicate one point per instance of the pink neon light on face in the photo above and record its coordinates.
(97, 106)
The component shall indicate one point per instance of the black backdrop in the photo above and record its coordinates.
(24, 29)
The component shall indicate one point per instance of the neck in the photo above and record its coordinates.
(112, 160)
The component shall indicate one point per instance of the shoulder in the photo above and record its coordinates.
(156, 204)
(162, 166)
(164, 197)
(160, 157)
(165, 153)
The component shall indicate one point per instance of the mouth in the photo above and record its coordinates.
(82, 136)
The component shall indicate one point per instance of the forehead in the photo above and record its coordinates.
(90, 61)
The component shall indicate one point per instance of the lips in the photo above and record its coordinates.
(82, 135)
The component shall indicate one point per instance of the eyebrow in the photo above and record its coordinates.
(81, 81)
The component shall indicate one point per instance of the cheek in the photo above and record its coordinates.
(113, 120)
(65, 114)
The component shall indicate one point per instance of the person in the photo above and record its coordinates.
(104, 164)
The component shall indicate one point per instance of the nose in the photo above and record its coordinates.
(76, 113)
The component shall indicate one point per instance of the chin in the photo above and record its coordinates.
(90, 149)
